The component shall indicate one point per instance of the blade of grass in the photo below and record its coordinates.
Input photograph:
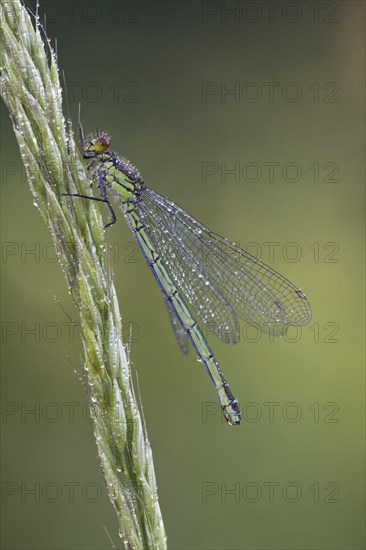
(30, 88)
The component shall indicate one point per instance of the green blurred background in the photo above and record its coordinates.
(292, 475)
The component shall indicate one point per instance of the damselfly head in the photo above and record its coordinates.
(96, 144)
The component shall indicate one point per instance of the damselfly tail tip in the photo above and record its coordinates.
(232, 413)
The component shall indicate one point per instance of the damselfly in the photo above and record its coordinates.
(220, 281)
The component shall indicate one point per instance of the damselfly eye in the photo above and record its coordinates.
(96, 144)
(104, 142)
(101, 143)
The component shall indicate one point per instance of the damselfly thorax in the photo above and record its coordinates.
(117, 175)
